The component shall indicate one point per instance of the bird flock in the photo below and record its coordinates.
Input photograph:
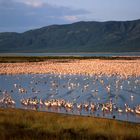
(73, 93)
(67, 105)
(108, 67)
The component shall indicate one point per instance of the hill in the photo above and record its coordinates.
(111, 36)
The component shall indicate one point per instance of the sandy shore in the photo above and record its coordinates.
(108, 67)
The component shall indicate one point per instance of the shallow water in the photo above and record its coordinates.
(73, 54)
(75, 89)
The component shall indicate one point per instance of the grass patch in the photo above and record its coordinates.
(15, 59)
(18, 124)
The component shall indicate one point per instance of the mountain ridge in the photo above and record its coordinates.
(83, 36)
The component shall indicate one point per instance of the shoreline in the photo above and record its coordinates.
(74, 66)
(72, 115)
(78, 115)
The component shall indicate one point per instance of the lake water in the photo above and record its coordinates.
(77, 89)
(72, 54)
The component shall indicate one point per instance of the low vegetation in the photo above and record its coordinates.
(15, 59)
(18, 124)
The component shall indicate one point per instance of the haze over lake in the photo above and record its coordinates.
(72, 54)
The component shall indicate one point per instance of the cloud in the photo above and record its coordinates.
(21, 15)
(32, 3)
(71, 18)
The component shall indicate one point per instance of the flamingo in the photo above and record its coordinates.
(92, 107)
(79, 106)
(137, 109)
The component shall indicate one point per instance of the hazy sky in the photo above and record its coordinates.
(22, 15)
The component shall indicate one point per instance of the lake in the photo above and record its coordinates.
(72, 54)
(75, 90)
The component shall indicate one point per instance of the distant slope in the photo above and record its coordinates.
(109, 36)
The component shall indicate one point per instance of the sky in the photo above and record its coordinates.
(23, 15)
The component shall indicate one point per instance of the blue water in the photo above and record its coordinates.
(72, 88)
(72, 54)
